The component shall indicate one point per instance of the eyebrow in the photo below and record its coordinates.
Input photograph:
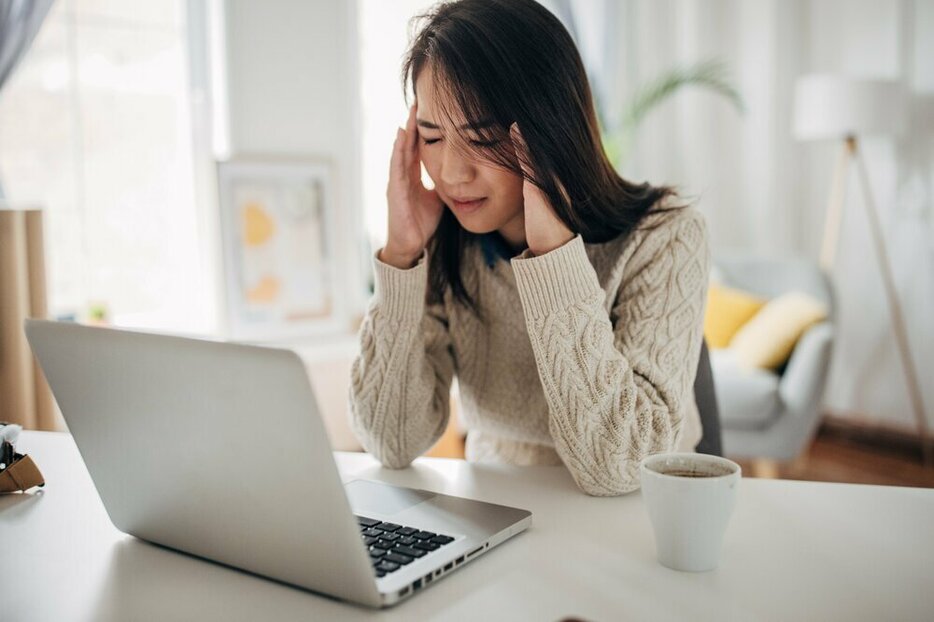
(479, 125)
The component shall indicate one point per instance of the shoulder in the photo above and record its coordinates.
(671, 227)
(667, 233)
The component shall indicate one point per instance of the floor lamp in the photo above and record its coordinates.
(845, 109)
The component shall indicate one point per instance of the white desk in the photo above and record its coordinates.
(794, 551)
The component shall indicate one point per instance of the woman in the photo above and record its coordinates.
(567, 301)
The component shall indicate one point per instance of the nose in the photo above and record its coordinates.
(455, 167)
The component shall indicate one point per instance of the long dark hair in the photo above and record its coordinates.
(506, 61)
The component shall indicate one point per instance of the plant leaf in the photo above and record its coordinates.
(710, 74)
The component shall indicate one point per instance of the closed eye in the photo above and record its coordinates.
(478, 143)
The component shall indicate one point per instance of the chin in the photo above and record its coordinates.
(476, 225)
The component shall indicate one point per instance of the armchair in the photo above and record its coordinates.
(774, 414)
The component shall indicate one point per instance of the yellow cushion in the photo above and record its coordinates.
(727, 310)
(768, 339)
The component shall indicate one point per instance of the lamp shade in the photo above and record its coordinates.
(833, 106)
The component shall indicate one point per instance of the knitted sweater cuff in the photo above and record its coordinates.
(556, 280)
(400, 293)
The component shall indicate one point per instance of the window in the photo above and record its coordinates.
(96, 127)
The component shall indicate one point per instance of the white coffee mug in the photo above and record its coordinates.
(690, 498)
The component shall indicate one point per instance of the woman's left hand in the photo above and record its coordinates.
(544, 231)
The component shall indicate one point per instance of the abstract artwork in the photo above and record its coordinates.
(276, 227)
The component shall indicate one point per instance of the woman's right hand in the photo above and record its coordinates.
(414, 211)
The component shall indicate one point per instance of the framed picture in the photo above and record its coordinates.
(276, 229)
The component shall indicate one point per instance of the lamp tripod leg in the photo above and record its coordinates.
(895, 310)
(835, 207)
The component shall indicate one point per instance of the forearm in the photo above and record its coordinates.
(400, 381)
(615, 394)
(605, 416)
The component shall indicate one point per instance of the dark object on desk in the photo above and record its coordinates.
(21, 475)
(706, 398)
(18, 472)
(6, 454)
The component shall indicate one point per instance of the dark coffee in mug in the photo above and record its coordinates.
(687, 470)
(689, 474)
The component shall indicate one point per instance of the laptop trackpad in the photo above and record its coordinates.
(366, 496)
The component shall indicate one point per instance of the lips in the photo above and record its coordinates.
(467, 204)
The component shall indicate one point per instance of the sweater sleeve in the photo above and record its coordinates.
(401, 380)
(616, 390)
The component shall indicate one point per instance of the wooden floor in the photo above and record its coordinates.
(835, 457)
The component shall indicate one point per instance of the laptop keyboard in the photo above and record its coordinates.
(392, 546)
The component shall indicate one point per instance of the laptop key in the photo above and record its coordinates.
(442, 539)
(426, 546)
(367, 522)
(380, 573)
(388, 526)
(423, 535)
(405, 550)
(406, 531)
(373, 532)
(387, 566)
(368, 540)
(390, 536)
(407, 540)
(384, 544)
(377, 552)
(399, 559)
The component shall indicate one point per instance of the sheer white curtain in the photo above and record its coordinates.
(96, 126)
(738, 166)
(19, 22)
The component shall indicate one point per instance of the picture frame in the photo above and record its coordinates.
(279, 265)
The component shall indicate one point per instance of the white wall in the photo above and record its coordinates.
(292, 90)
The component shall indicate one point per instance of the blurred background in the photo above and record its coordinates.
(200, 166)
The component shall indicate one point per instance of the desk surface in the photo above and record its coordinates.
(794, 550)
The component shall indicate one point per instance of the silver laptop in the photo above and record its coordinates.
(218, 450)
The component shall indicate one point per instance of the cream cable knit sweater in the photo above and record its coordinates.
(588, 357)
